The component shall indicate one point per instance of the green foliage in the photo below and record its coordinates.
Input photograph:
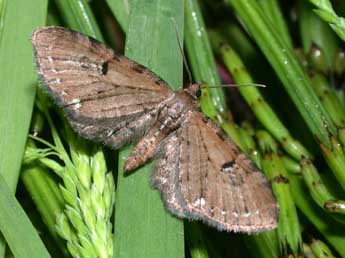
(325, 10)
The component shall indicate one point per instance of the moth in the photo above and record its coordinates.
(108, 98)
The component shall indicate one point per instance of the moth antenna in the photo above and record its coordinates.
(181, 50)
(235, 85)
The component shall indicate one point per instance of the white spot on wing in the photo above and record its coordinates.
(110, 132)
(75, 101)
(199, 202)
(246, 215)
(56, 81)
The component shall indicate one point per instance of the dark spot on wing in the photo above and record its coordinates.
(94, 42)
(104, 68)
(139, 68)
(221, 135)
(204, 119)
(159, 81)
(212, 211)
(228, 164)
(100, 92)
(84, 65)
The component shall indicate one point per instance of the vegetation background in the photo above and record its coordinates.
(72, 199)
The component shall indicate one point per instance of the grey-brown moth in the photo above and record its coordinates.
(108, 98)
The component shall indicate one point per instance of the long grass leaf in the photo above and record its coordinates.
(120, 9)
(142, 226)
(281, 56)
(78, 16)
(18, 83)
(16, 227)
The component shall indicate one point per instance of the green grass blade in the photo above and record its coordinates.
(78, 16)
(332, 231)
(46, 195)
(16, 227)
(204, 69)
(321, 34)
(142, 226)
(18, 83)
(264, 113)
(328, 98)
(326, 12)
(120, 9)
(320, 249)
(272, 10)
(264, 245)
(200, 54)
(196, 242)
(282, 58)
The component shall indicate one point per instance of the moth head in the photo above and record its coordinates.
(194, 90)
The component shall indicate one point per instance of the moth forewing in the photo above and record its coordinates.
(108, 98)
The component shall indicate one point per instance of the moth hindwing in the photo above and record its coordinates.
(109, 98)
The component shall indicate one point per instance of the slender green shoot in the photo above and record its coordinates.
(281, 56)
(325, 10)
(320, 249)
(289, 231)
(204, 70)
(256, 101)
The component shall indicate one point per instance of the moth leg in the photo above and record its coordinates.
(147, 147)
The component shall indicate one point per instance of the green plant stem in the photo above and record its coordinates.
(308, 253)
(321, 35)
(337, 206)
(335, 159)
(331, 230)
(320, 249)
(204, 70)
(46, 196)
(196, 241)
(328, 99)
(318, 191)
(326, 12)
(289, 231)
(120, 9)
(77, 15)
(264, 245)
(281, 56)
(255, 100)
(291, 165)
(272, 10)
(249, 146)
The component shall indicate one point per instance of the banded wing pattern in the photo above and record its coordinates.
(203, 175)
(107, 97)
